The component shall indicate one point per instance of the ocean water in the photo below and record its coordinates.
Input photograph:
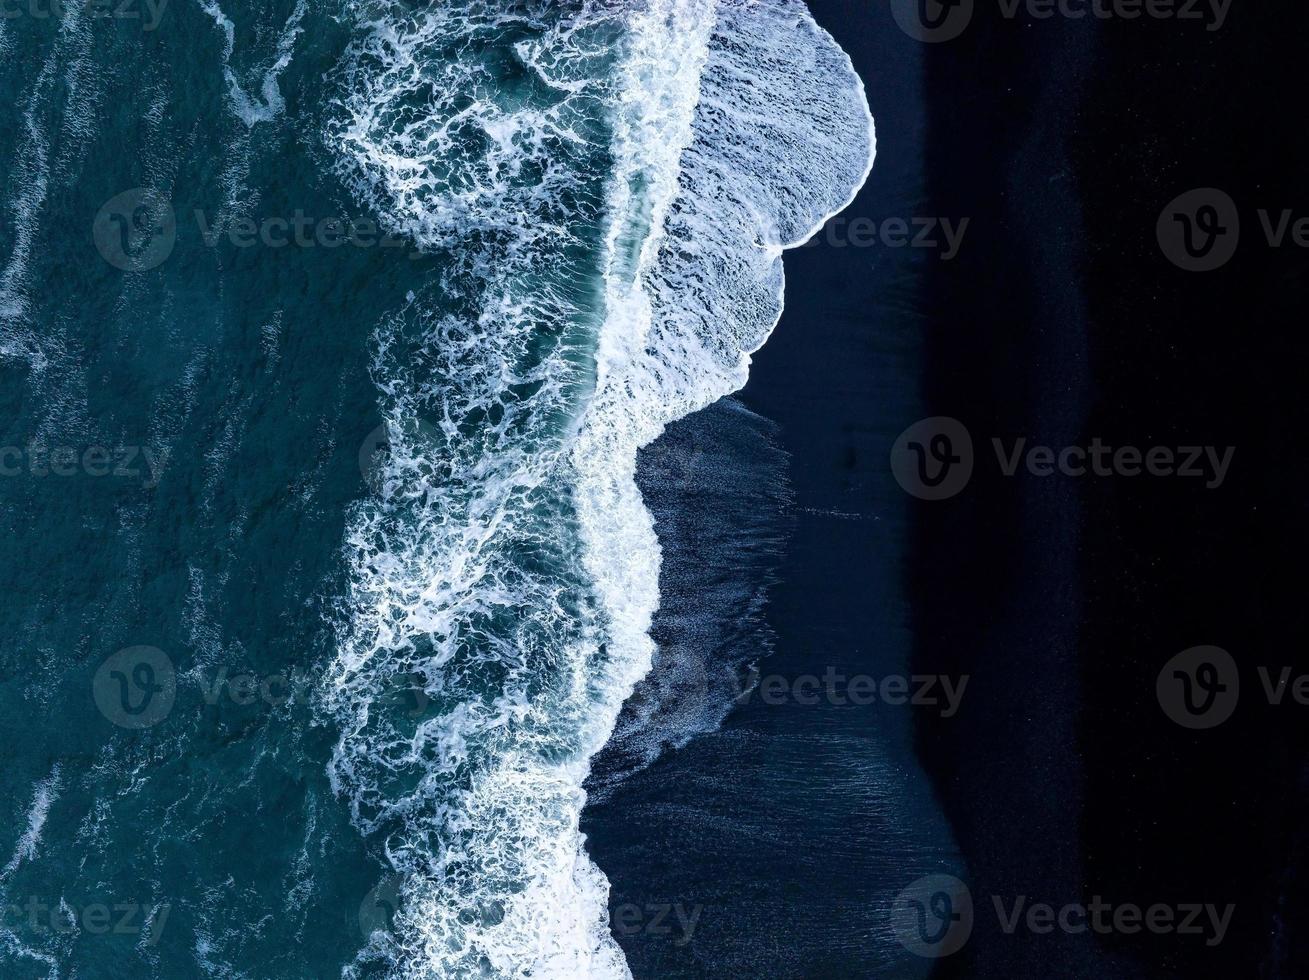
(329, 335)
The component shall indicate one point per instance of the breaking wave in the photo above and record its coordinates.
(608, 189)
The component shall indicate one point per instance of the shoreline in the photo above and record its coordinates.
(790, 828)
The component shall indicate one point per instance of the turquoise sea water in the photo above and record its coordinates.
(328, 336)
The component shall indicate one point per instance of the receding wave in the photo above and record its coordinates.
(608, 189)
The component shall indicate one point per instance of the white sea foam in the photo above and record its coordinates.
(43, 794)
(84, 85)
(509, 559)
(248, 109)
(29, 180)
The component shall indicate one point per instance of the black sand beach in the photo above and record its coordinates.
(1064, 598)
(793, 827)
(1059, 321)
